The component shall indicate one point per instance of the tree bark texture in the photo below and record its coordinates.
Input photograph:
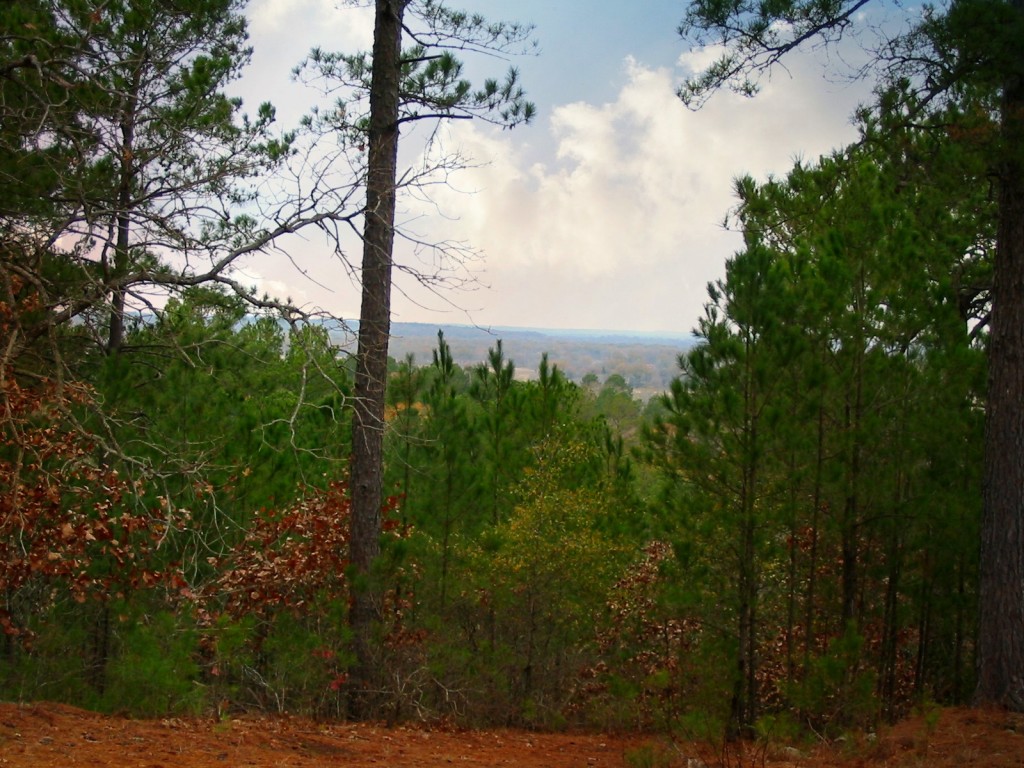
(1000, 650)
(372, 355)
(122, 245)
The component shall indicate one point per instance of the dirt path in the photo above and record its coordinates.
(55, 736)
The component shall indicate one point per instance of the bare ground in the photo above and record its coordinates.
(52, 735)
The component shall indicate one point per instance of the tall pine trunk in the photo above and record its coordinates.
(1001, 577)
(744, 699)
(372, 357)
(122, 244)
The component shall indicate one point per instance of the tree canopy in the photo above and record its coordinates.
(209, 501)
(964, 64)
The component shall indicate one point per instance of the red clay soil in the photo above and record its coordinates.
(52, 736)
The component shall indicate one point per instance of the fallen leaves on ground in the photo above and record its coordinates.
(53, 735)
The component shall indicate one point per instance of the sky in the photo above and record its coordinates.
(606, 212)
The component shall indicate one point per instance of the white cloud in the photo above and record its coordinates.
(696, 60)
(624, 215)
(252, 277)
(607, 215)
(282, 33)
(298, 21)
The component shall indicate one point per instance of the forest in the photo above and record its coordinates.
(206, 505)
(647, 363)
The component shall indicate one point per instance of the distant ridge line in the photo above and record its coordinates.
(456, 330)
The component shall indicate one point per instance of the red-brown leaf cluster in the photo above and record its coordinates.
(288, 558)
(641, 642)
(66, 523)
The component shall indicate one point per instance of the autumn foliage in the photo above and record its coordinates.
(288, 558)
(67, 522)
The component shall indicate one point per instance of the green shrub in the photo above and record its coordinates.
(50, 666)
(838, 691)
(155, 672)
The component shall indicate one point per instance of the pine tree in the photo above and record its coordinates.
(403, 86)
(969, 57)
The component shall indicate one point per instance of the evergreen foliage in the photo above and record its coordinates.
(959, 69)
(812, 456)
(788, 536)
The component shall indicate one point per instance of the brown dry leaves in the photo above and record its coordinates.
(51, 735)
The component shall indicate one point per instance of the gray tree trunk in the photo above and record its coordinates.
(372, 356)
(1001, 579)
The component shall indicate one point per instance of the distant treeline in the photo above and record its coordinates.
(647, 362)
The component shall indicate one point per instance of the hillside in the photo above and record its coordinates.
(647, 362)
